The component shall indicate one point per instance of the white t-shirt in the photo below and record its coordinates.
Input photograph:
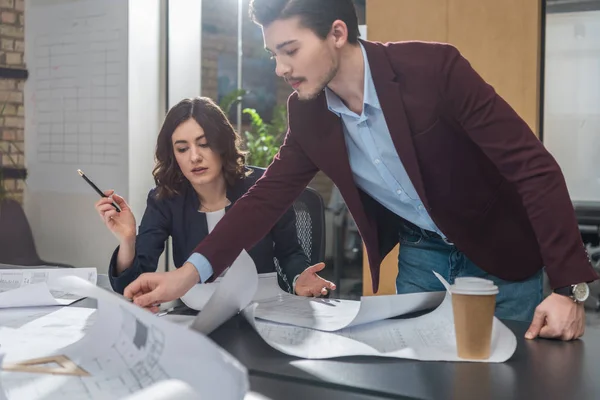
(212, 219)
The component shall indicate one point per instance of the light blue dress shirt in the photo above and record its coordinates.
(375, 164)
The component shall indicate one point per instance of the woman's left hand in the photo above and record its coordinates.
(310, 284)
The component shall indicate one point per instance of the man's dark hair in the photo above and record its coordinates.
(316, 15)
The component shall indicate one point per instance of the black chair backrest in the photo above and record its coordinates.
(16, 239)
(310, 224)
(17, 246)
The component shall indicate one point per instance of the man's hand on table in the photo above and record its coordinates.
(557, 317)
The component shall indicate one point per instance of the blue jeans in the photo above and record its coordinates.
(421, 253)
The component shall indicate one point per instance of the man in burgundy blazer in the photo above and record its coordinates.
(481, 175)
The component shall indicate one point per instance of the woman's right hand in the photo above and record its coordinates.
(121, 224)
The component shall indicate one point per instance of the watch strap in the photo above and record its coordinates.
(565, 291)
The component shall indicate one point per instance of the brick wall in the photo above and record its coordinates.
(11, 92)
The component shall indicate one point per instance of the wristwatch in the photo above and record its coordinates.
(578, 292)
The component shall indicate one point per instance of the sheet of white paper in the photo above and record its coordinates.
(268, 287)
(171, 389)
(325, 314)
(333, 314)
(174, 389)
(255, 396)
(126, 350)
(15, 278)
(186, 320)
(16, 266)
(428, 337)
(2, 394)
(233, 293)
(17, 317)
(28, 296)
(198, 296)
(46, 333)
(15, 290)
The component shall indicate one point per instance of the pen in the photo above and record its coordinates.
(122, 297)
(178, 308)
(80, 172)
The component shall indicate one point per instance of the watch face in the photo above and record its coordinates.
(581, 292)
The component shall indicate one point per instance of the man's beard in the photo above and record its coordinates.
(323, 83)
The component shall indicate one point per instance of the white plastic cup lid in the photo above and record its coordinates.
(473, 286)
(465, 279)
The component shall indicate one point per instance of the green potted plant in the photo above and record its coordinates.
(264, 139)
(231, 99)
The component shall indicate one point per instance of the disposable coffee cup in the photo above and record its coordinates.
(473, 304)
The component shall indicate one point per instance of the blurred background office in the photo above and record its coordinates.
(85, 84)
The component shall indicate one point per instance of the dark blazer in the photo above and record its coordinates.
(485, 179)
(179, 218)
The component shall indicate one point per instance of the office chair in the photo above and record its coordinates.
(17, 246)
(310, 225)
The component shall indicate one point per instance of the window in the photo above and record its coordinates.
(571, 129)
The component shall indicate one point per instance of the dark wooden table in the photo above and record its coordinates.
(539, 369)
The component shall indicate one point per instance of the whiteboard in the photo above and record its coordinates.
(572, 100)
(76, 94)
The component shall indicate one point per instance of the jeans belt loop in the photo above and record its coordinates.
(448, 242)
(424, 232)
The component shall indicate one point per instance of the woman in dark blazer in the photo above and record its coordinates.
(200, 172)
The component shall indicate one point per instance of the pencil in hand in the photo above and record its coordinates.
(100, 192)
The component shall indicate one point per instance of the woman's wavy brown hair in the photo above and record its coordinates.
(220, 136)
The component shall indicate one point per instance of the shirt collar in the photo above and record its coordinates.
(337, 106)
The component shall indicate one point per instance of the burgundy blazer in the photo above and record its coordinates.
(485, 179)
